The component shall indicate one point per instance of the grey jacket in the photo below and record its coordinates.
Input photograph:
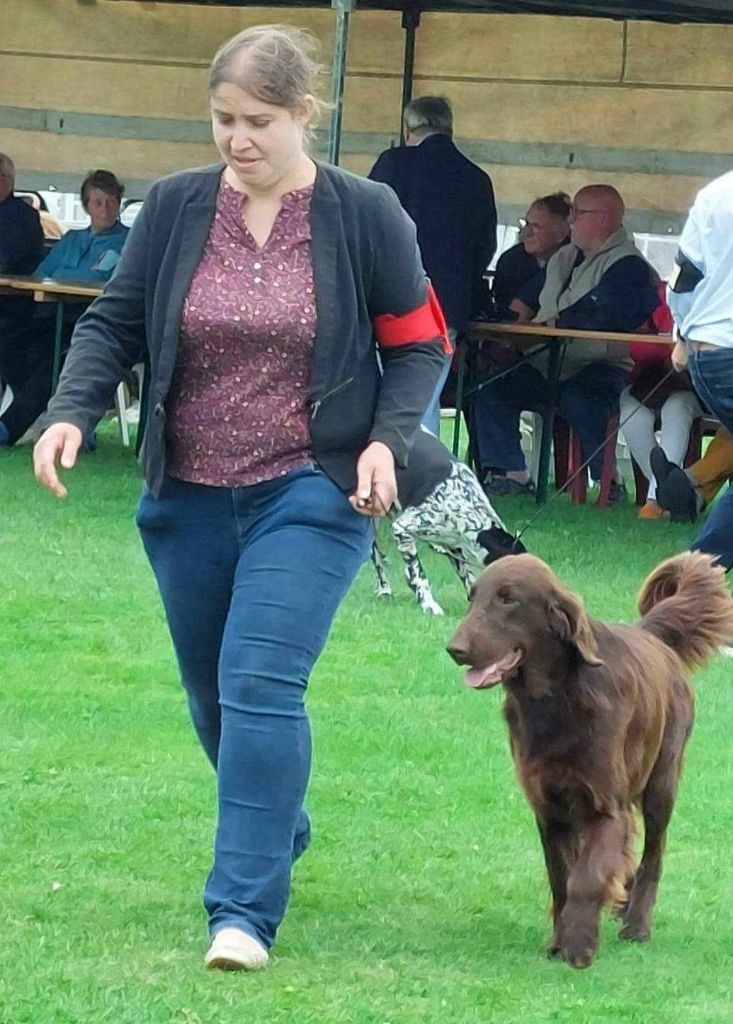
(366, 265)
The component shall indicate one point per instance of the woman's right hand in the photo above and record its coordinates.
(61, 442)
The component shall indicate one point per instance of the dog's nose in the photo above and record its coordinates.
(458, 651)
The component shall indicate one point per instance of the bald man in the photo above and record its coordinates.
(598, 282)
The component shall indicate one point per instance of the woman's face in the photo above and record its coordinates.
(544, 232)
(261, 143)
(103, 209)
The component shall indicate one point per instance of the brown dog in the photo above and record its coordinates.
(598, 717)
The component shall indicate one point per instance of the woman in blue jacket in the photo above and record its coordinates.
(87, 254)
(91, 253)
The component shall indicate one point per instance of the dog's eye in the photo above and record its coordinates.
(506, 597)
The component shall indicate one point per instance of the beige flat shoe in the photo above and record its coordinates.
(234, 950)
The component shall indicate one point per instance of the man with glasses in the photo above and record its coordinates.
(598, 282)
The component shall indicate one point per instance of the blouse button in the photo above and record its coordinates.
(258, 280)
(257, 266)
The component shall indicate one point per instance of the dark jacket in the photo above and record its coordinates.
(514, 269)
(21, 237)
(452, 203)
(623, 300)
(429, 466)
(365, 264)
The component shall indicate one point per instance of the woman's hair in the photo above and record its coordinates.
(275, 63)
(105, 181)
(558, 204)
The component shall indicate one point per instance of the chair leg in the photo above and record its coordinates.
(609, 459)
(561, 445)
(579, 486)
(641, 484)
(121, 409)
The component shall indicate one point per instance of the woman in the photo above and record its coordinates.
(260, 285)
(91, 253)
(656, 394)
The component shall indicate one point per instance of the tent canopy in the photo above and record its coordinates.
(701, 11)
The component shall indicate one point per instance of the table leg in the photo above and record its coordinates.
(461, 343)
(57, 345)
(548, 416)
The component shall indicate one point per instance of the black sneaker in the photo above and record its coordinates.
(675, 491)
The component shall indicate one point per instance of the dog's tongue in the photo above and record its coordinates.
(478, 678)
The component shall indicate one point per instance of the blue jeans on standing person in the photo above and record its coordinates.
(712, 377)
(251, 578)
(587, 400)
(431, 419)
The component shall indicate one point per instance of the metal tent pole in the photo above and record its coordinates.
(410, 22)
(343, 10)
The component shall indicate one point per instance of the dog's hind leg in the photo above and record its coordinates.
(657, 806)
(383, 588)
(414, 572)
(592, 881)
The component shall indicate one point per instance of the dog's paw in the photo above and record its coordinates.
(431, 607)
(635, 932)
(383, 592)
(579, 955)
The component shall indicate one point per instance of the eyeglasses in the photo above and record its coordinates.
(577, 211)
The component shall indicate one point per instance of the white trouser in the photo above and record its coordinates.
(676, 416)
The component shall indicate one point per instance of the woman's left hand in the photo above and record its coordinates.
(376, 484)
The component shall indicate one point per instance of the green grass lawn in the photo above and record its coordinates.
(423, 896)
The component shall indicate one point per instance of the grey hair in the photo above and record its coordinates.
(429, 113)
(276, 63)
(7, 167)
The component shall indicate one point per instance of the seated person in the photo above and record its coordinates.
(599, 281)
(21, 248)
(91, 253)
(21, 235)
(654, 396)
(520, 271)
(88, 254)
(52, 229)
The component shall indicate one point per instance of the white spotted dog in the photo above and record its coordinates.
(442, 504)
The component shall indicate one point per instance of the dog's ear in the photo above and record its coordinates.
(570, 624)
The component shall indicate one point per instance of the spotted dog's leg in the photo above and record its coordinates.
(414, 572)
(383, 588)
(465, 572)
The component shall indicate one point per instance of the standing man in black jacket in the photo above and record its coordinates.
(451, 201)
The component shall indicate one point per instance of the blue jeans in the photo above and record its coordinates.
(712, 376)
(587, 400)
(251, 578)
(431, 418)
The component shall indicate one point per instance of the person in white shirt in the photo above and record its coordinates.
(700, 295)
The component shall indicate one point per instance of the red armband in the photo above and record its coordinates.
(427, 321)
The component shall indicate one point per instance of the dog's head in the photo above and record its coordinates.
(520, 616)
(497, 543)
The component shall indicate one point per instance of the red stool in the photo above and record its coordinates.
(569, 458)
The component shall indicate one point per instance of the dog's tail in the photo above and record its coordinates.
(686, 603)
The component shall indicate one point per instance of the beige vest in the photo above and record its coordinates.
(555, 297)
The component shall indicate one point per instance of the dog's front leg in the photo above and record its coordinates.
(597, 872)
(558, 845)
(414, 572)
